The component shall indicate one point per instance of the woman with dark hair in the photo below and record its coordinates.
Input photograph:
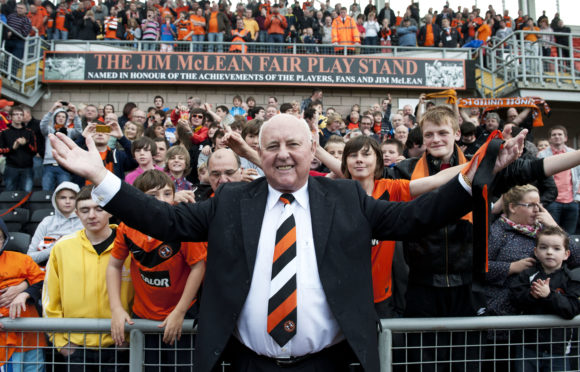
(155, 130)
(362, 160)
(127, 111)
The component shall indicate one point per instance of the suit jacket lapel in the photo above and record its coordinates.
(321, 212)
(252, 207)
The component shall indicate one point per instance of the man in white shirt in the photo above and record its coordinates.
(323, 269)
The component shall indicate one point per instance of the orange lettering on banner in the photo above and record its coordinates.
(347, 64)
(336, 68)
(385, 69)
(295, 64)
(321, 66)
(398, 65)
(234, 65)
(162, 62)
(264, 63)
(362, 66)
(247, 61)
(312, 62)
(220, 63)
(275, 66)
(100, 60)
(185, 62)
(411, 68)
(197, 64)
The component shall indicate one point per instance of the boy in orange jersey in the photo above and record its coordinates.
(166, 277)
(19, 274)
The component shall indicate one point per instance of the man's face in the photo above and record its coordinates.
(91, 113)
(445, 23)
(248, 14)
(223, 168)
(375, 107)
(260, 115)
(158, 102)
(93, 217)
(384, 104)
(407, 110)
(17, 117)
(272, 101)
(161, 152)
(336, 150)
(139, 117)
(512, 114)
(110, 118)
(439, 139)
(270, 112)
(65, 201)
(491, 124)
(342, 13)
(286, 152)
(365, 124)
(558, 138)
(397, 120)
(20, 10)
(401, 133)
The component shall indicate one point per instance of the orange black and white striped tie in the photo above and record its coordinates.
(282, 303)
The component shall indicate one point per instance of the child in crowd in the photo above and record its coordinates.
(18, 145)
(166, 277)
(75, 287)
(392, 152)
(250, 134)
(237, 109)
(547, 288)
(133, 131)
(335, 146)
(542, 144)
(178, 166)
(52, 228)
(20, 351)
(467, 142)
(168, 33)
(143, 150)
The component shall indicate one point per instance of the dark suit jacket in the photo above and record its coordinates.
(344, 220)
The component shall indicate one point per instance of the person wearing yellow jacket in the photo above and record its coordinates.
(75, 285)
(344, 31)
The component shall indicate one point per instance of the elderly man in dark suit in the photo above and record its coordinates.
(288, 279)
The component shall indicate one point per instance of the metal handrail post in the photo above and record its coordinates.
(386, 350)
(136, 351)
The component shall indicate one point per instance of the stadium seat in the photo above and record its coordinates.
(10, 198)
(18, 242)
(40, 200)
(15, 219)
(35, 218)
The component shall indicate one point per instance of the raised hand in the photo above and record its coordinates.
(510, 151)
(86, 164)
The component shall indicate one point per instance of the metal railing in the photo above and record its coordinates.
(283, 48)
(22, 75)
(513, 62)
(473, 344)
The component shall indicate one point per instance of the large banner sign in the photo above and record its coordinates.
(257, 69)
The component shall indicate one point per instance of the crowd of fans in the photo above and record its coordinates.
(180, 154)
(308, 23)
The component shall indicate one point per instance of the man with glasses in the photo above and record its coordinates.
(366, 127)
